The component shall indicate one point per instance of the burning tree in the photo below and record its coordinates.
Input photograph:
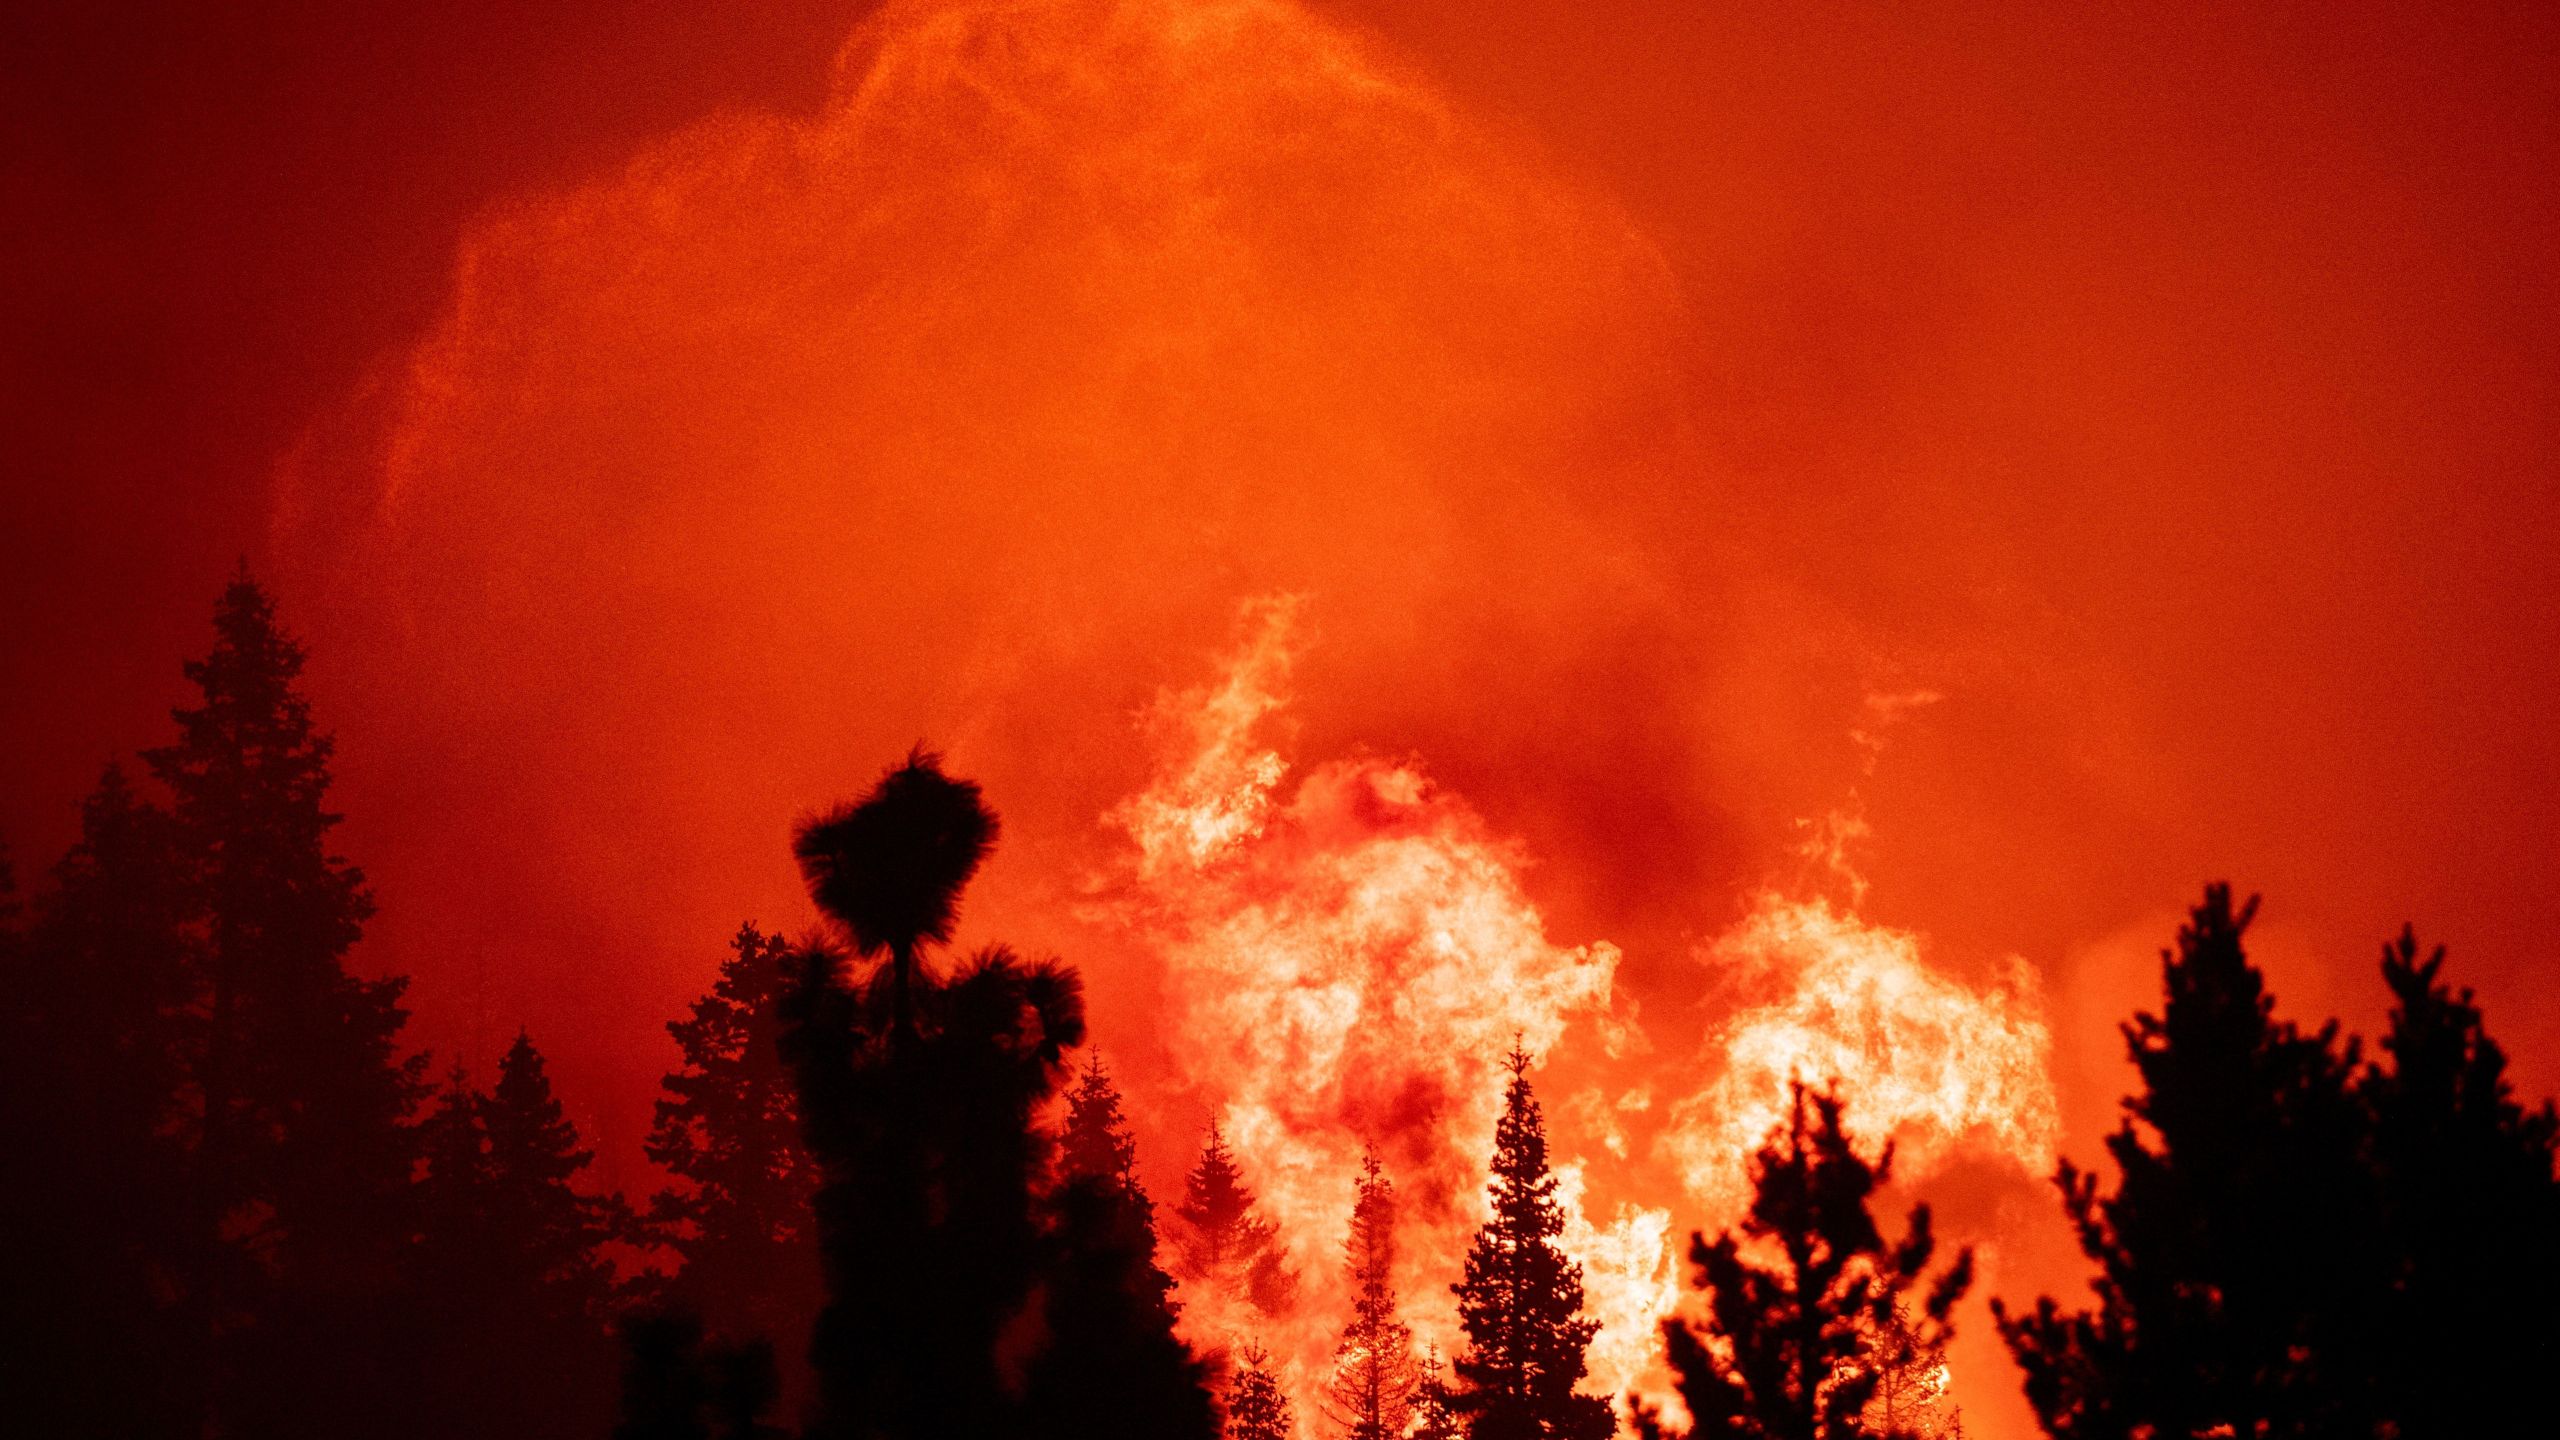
(1224, 1241)
(1374, 1376)
(1521, 1300)
(1256, 1407)
(1803, 1350)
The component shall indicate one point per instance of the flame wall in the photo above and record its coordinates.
(2168, 413)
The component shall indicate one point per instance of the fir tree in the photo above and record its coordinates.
(1223, 1241)
(2471, 1213)
(93, 1001)
(739, 1216)
(512, 1294)
(1111, 1364)
(1095, 1143)
(2238, 1250)
(302, 1101)
(1521, 1301)
(1435, 1415)
(1800, 1350)
(1374, 1375)
(1257, 1409)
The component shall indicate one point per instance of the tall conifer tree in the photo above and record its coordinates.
(1521, 1301)
(1798, 1349)
(93, 1002)
(739, 1216)
(302, 1154)
(1224, 1241)
(1374, 1374)
(1111, 1364)
(2237, 1252)
(1257, 1408)
(2471, 1213)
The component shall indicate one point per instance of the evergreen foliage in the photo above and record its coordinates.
(1521, 1301)
(918, 1099)
(738, 1217)
(1374, 1374)
(1223, 1240)
(2236, 1253)
(1257, 1409)
(1800, 1349)
(1110, 1363)
(512, 1297)
(94, 1021)
(2471, 1213)
(1435, 1417)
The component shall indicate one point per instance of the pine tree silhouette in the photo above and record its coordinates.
(739, 1217)
(1095, 1144)
(2238, 1252)
(1799, 1350)
(1435, 1417)
(1110, 1363)
(2471, 1214)
(918, 1098)
(302, 1155)
(1374, 1374)
(93, 1001)
(512, 1296)
(1521, 1301)
(1223, 1241)
(1256, 1407)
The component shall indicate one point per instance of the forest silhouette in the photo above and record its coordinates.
(902, 1198)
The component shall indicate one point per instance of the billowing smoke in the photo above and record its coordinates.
(968, 408)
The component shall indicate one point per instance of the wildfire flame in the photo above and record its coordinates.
(1928, 1062)
(1347, 959)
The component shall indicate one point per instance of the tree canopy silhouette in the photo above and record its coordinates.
(738, 1217)
(1110, 1364)
(1224, 1241)
(2237, 1253)
(1799, 1349)
(1521, 1301)
(1374, 1373)
(918, 1098)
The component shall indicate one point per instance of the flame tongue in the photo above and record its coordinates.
(1348, 959)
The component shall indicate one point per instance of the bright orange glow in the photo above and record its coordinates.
(2143, 416)
(1346, 960)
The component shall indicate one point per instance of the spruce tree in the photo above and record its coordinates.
(1095, 1144)
(93, 1001)
(1521, 1301)
(302, 1101)
(739, 1217)
(1374, 1375)
(2237, 1253)
(1111, 1363)
(1224, 1241)
(1435, 1416)
(1257, 1409)
(512, 1294)
(1799, 1349)
(2471, 1213)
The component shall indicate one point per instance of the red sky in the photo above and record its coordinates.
(652, 446)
